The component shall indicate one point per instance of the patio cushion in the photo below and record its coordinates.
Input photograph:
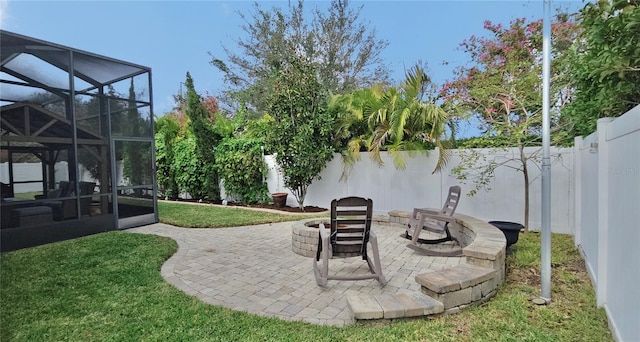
(31, 215)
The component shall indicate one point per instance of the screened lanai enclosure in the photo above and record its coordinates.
(76, 143)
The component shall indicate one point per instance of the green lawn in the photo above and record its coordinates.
(27, 195)
(209, 216)
(107, 287)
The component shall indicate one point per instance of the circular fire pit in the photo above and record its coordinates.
(304, 236)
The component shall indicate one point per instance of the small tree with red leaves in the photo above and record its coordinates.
(502, 87)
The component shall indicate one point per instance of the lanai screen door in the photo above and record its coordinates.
(132, 146)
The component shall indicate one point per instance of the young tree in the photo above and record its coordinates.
(345, 51)
(605, 64)
(301, 132)
(503, 88)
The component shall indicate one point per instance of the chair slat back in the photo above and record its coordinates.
(452, 201)
(350, 225)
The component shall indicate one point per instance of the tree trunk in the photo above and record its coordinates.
(525, 172)
(300, 194)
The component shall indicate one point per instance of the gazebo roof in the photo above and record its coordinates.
(32, 123)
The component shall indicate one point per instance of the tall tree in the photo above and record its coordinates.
(206, 138)
(347, 51)
(503, 88)
(344, 49)
(605, 64)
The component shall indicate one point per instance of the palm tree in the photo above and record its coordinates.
(397, 119)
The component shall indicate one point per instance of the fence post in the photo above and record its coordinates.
(603, 210)
(578, 142)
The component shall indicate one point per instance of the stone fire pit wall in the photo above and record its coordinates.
(304, 239)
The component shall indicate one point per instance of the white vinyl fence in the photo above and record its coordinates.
(30, 172)
(607, 219)
(417, 186)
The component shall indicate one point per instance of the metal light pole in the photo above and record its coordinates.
(546, 159)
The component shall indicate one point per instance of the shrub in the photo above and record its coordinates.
(167, 131)
(241, 166)
(190, 172)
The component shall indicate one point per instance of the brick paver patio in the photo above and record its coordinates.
(253, 269)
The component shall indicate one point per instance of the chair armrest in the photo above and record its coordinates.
(324, 243)
(324, 233)
(372, 237)
(419, 214)
(438, 217)
(423, 211)
(431, 223)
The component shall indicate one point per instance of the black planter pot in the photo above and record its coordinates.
(511, 230)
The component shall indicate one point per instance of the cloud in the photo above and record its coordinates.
(225, 8)
(4, 6)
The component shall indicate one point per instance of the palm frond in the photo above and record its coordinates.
(414, 82)
(380, 135)
(395, 151)
(351, 155)
(353, 147)
(377, 118)
(398, 123)
(378, 141)
(444, 154)
(400, 120)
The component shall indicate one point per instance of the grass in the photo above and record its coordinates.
(107, 287)
(209, 216)
(27, 195)
(572, 314)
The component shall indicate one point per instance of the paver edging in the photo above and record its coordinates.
(482, 244)
(459, 285)
(484, 248)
